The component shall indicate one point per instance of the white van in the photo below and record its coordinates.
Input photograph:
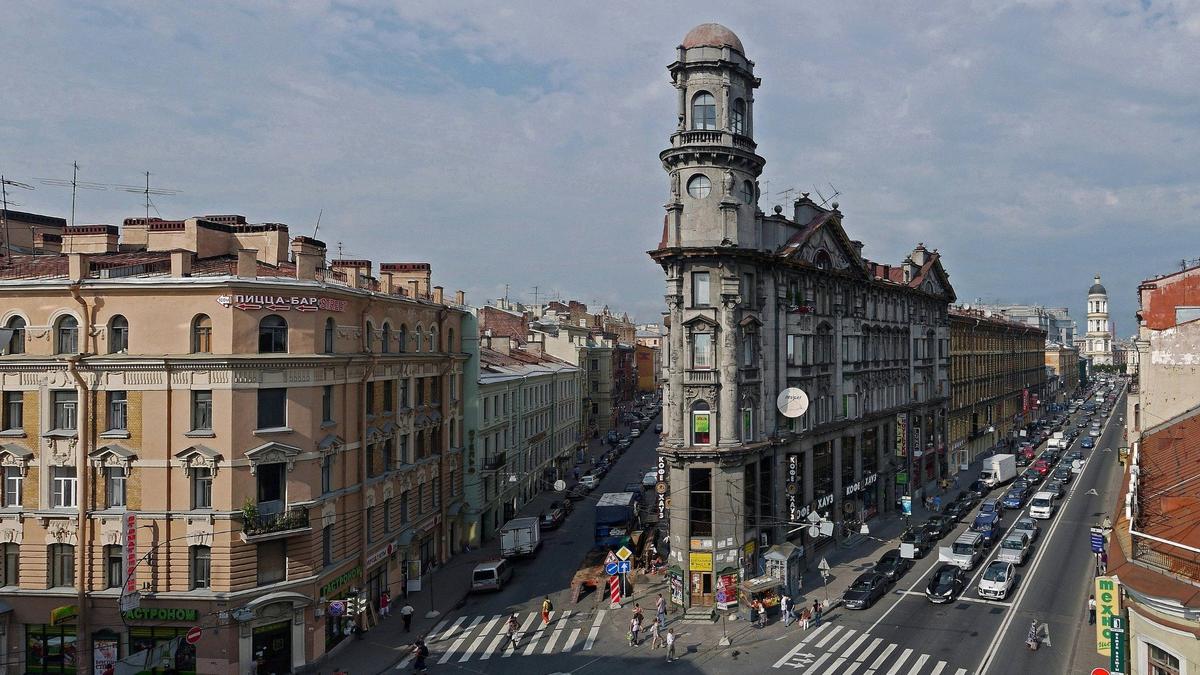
(490, 576)
(1042, 505)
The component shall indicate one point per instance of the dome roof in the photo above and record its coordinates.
(712, 35)
(1096, 288)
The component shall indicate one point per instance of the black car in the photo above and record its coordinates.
(947, 584)
(576, 493)
(552, 518)
(1063, 473)
(920, 538)
(1022, 460)
(892, 565)
(939, 526)
(866, 589)
(564, 504)
(979, 488)
(955, 510)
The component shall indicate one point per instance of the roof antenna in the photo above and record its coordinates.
(318, 226)
(4, 183)
(786, 194)
(75, 184)
(146, 191)
(825, 200)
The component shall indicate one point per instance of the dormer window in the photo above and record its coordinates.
(704, 112)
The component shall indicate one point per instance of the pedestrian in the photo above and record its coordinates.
(406, 613)
(937, 503)
(660, 608)
(654, 632)
(421, 652)
(1103, 562)
(955, 481)
(635, 625)
(816, 613)
(785, 610)
(385, 604)
(637, 612)
(546, 609)
(670, 645)
(1091, 610)
(513, 636)
(805, 619)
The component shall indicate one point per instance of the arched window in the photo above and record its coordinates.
(704, 111)
(16, 340)
(369, 338)
(699, 186)
(822, 261)
(403, 338)
(435, 345)
(702, 423)
(417, 337)
(272, 335)
(450, 340)
(202, 334)
(330, 335)
(66, 335)
(118, 334)
(387, 339)
(748, 192)
(737, 117)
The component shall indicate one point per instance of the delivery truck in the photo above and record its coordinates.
(520, 536)
(998, 469)
(617, 516)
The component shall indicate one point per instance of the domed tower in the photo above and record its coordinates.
(712, 162)
(1098, 345)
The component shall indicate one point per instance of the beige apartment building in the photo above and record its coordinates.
(206, 425)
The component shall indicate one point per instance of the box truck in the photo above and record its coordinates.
(998, 469)
(520, 536)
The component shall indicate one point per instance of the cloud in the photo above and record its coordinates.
(1034, 143)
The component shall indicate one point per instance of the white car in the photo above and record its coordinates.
(997, 580)
(650, 479)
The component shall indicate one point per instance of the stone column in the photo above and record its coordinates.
(674, 413)
(838, 497)
(727, 353)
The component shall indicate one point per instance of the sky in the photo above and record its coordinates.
(515, 144)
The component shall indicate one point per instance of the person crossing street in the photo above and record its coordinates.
(547, 607)
(513, 626)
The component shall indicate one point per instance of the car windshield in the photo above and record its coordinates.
(1041, 502)
(1012, 543)
(987, 507)
(960, 549)
(1025, 525)
(861, 585)
(945, 575)
(995, 573)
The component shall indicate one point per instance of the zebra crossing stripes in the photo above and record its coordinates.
(460, 640)
(482, 637)
(838, 650)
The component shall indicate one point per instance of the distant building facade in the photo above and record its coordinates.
(1098, 342)
(1056, 321)
(1063, 362)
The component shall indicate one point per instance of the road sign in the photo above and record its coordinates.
(1100, 671)
(814, 531)
(337, 608)
(1097, 539)
(130, 601)
(560, 485)
(193, 635)
(610, 558)
(614, 590)
(611, 568)
(624, 566)
(823, 565)
(623, 553)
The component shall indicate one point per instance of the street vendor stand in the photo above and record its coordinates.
(766, 589)
(784, 562)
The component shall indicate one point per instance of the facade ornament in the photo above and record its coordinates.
(727, 184)
(674, 187)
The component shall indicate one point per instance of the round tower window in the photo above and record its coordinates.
(699, 186)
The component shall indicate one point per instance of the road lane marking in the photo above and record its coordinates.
(861, 638)
(458, 643)
(841, 641)
(982, 601)
(436, 628)
(510, 650)
(882, 657)
(827, 638)
(961, 671)
(941, 665)
(537, 635)
(571, 640)
(817, 664)
(900, 662)
(558, 628)
(591, 638)
(450, 630)
(862, 656)
(483, 635)
(918, 665)
(800, 645)
(487, 654)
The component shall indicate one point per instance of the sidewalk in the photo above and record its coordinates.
(444, 590)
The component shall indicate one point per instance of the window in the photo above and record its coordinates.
(327, 403)
(66, 335)
(702, 423)
(202, 417)
(113, 566)
(16, 339)
(699, 186)
(700, 502)
(748, 192)
(118, 334)
(389, 396)
(404, 507)
(450, 346)
(272, 335)
(327, 474)
(65, 410)
(404, 393)
(201, 567)
(11, 575)
(370, 396)
(1161, 661)
(330, 335)
(64, 487)
(701, 292)
(14, 485)
(702, 350)
(272, 408)
(435, 343)
(118, 407)
(402, 338)
(417, 338)
(202, 334)
(704, 112)
(272, 562)
(386, 347)
(270, 487)
(62, 565)
(387, 515)
(369, 337)
(202, 484)
(747, 425)
(327, 545)
(370, 517)
(114, 487)
(404, 459)
(737, 117)
(14, 411)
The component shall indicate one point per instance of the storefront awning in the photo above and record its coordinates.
(405, 537)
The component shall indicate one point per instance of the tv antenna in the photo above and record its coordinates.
(825, 200)
(146, 191)
(75, 184)
(5, 183)
(786, 194)
(318, 226)
(536, 294)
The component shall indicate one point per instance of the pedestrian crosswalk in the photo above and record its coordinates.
(839, 650)
(485, 637)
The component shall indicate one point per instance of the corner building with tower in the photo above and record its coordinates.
(758, 303)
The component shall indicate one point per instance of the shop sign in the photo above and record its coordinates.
(727, 595)
(824, 502)
(161, 614)
(700, 562)
(61, 615)
(129, 538)
(859, 485)
(676, 588)
(336, 584)
(382, 553)
(1108, 605)
(792, 485)
(281, 303)
(700, 543)
(661, 487)
(901, 434)
(901, 478)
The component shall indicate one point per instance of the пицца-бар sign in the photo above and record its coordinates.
(281, 303)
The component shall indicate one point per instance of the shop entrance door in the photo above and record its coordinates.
(702, 588)
(272, 646)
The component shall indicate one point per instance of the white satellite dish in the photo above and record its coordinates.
(792, 402)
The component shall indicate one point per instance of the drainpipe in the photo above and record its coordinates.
(363, 449)
(83, 441)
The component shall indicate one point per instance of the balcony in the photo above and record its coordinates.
(258, 525)
(700, 377)
(495, 462)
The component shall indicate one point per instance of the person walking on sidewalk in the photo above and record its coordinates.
(513, 636)
(1091, 610)
(546, 608)
(637, 612)
(670, 645)
(654, 632)
(406, 613)
(660, 608)
(785, 610)
(635, 625)
(816, 613)
(385, 605)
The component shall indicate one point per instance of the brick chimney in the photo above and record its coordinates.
(181, 263)
(90, 239)
(247, 263)
(356, 271)
(308, 254)
(414, 288)
(78, 266)
(460, 298)
(437, 294)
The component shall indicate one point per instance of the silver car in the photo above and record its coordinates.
(1014, 549)
(1028, 527)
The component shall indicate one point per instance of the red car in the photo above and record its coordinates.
(1042, 466)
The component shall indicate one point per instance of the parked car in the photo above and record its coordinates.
(650, 479)
(997, 580)
(635, 432)
(866, 589)
(576, 492)
(658, 428)
(947, 584)
(955, 510)
(979, 488)
(564, 504)
(892, 565)
(1027, 526)
(552, 518)
(590, 481)
(635, 488)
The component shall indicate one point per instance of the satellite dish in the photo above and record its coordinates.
(792, 402)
